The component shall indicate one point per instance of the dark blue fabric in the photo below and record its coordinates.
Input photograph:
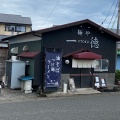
(53, 69)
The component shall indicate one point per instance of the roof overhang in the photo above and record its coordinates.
(23, 34)
(83, 54)
(87, 55)
(28, 54)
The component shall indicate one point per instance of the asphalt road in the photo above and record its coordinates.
(82, 107)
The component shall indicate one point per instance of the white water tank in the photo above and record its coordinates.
(26, 83)
(26, 86)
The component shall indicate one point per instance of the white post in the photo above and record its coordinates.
(0, 88)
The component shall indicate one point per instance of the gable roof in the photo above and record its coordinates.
(40, 32)
(77, 23)
(18, 19)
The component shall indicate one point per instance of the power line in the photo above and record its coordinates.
(109, 12)
(114, 21)
(50, 13)
(112, 15)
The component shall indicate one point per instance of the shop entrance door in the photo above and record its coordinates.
(86, 77)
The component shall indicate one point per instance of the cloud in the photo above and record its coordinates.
(66, 11)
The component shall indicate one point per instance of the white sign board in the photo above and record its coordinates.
(72, 85)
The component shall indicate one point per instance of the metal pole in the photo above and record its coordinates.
(118, 17)
(0, 88)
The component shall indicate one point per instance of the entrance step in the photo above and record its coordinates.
(85, 91)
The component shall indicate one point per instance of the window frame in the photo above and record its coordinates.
(9, 27)
(100, 67)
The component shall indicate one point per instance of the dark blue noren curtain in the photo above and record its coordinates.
(53, 64)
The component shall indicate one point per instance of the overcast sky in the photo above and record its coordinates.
(66, 11)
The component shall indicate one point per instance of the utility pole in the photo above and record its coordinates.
(118, 21)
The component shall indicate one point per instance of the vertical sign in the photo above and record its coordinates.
(53, 69)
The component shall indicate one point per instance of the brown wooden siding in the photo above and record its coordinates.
(3, 56)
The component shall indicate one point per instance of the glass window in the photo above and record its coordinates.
(101, 65)
(10, 28)
(15, 28)
(18, 28)
(23, 29)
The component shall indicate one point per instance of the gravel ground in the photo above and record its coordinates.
(9, 95)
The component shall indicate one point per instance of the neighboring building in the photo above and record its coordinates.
(118, 51)
(87, 51)
(14, 24)
(118, 56)
(11, 25)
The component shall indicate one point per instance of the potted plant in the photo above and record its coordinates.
(117, 77)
